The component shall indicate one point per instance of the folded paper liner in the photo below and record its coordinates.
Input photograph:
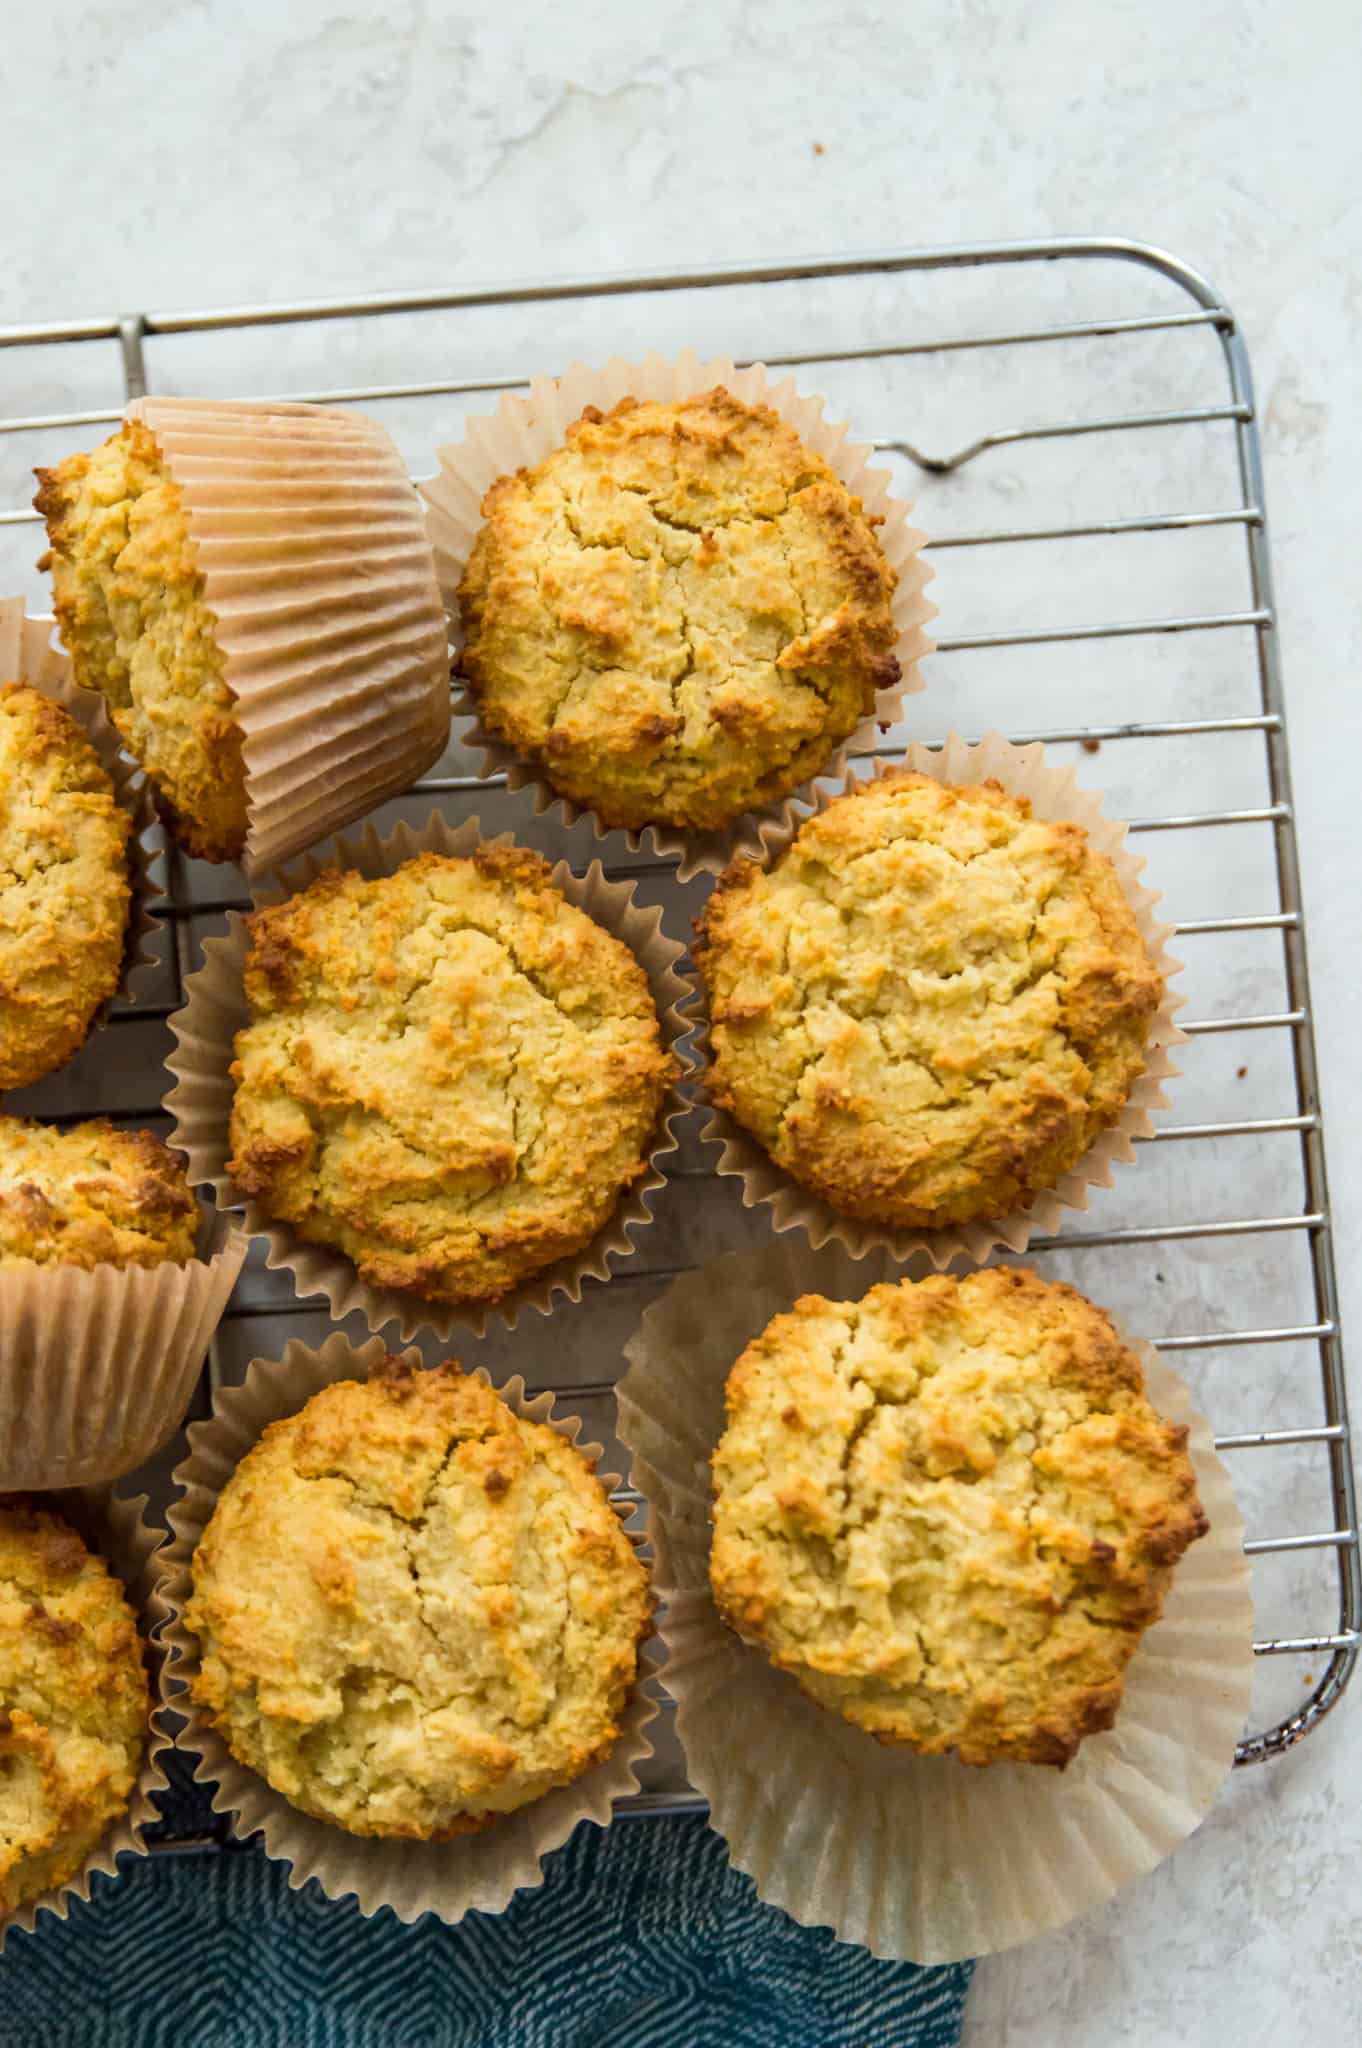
(310, 539)
(523, 431)
(27, 655)
(1053, 793)
(216, 1009)
(920, 1859)
(118, 1530)
(472, 1873)
(116, 1353)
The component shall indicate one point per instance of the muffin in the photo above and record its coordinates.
(930, 1006)
(451, 1073)
(91, 1195)
(129, 600)
(65, 890)
(251, 587)
(949, 1510)
(416, 1610)
(73, 1702)
(679, 615)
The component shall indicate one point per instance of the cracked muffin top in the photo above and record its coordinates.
(452, 1074)
(129, 601)
(73, 1702)
(950, 1511)
(416, 1610)
(931, 1004)
(64, 888)
(680, 615)
(92, 1195)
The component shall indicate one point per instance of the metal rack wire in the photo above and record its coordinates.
(1294, 1361)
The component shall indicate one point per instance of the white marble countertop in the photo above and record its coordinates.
(189, 155)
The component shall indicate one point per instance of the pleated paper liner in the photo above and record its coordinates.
(310, 539)
(1054, 794)
(522, 432)
(27, 655)
(201, 1102)
(118, 1530)
(472, 1873)
(97, 1368)
(920, 1859)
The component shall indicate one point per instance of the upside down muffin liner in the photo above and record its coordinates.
(523, 431)
(119, 1531)
(1054, 794)
(471, 1873)
(310, 540)
(216, 1009)
(98, 1366)
(918, 1858)
(27, 655)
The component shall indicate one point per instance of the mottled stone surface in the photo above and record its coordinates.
(189, 156)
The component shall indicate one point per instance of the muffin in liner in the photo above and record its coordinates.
(27, 655)
(471, 1873)
(97, 1367)
(309, 537)
(1053, 793)
(918, 1858)
(216, 1009)
(128, 1543)
(523, 431)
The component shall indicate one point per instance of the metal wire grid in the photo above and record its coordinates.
(1337, 1522)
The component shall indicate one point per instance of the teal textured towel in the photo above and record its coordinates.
(641, 1936)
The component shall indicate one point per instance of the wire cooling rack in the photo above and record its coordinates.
(1076, 423)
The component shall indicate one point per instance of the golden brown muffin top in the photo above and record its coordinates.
(64, 888)
(129, 601)
(950, 1511)
(452, 1073)
(417, 1611)
(932, 1003)
(91, 1195)
(680, 614)
(73, 1702)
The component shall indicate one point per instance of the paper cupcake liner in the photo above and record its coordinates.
(316, 567)
(472, 1873)
(118, 1530)
(27, 655)
(522, 432)
(98, 1367)
(201, 1102)
(919, 1859)
(1054, 794)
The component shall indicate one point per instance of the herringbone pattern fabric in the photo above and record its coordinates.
(640, 1937)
